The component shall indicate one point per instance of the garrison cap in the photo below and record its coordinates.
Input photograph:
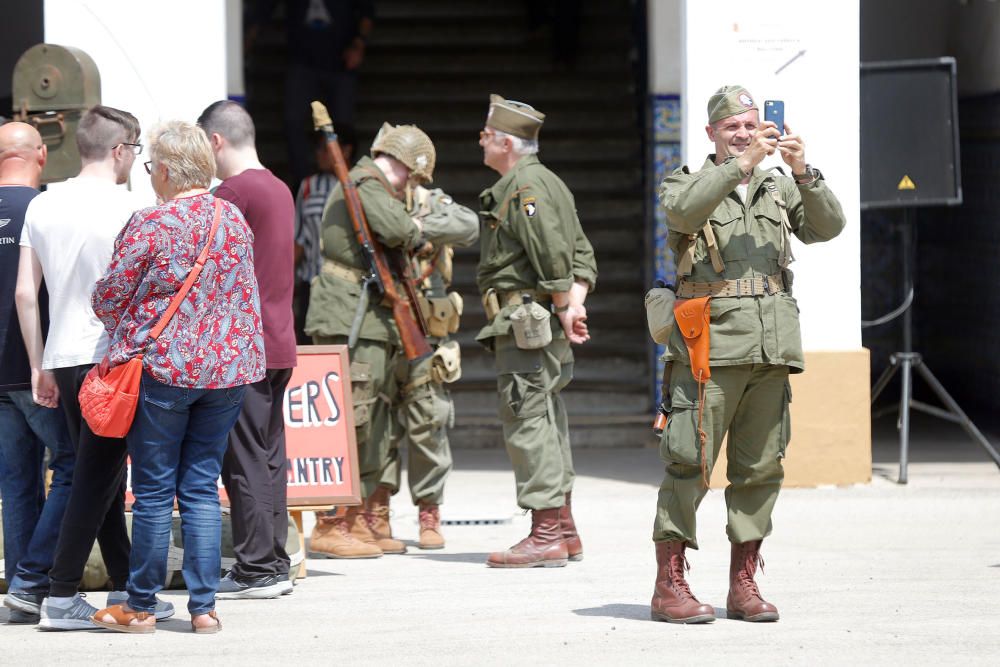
(516, 118)
(729, 101)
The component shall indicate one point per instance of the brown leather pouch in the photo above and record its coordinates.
(692, 317)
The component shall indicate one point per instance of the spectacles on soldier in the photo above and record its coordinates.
(148, 164)
(487, 134)
(136, 148)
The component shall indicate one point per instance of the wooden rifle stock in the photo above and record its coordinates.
(404, 308)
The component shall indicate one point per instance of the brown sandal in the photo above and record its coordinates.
(123, 620)
(208, 629)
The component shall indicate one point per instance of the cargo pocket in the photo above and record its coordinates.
(679, 442)
(786, 422)
(725, 228)
(521, 396)
(362, 392)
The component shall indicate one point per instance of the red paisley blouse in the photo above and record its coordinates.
(215, 339)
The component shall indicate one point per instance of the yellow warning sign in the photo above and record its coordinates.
(906, 184)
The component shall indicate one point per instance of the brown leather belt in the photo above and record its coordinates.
(755, 286)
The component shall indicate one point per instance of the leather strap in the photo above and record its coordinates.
(191, 277)
(785, 256)
(740, 287)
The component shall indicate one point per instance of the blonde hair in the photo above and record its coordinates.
(184, 150)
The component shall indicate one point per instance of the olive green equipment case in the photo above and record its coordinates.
(52, 88)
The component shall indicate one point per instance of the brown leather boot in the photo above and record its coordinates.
(430, 527)
(574, 547)
(377, 516)
(332, 537)
(673, 601)
(744, 600)
(543, 547)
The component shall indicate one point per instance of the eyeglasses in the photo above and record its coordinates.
(136, 148)
(487, 134)
(148, 164)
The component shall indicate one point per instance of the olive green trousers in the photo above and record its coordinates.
(423, 415)
(749, 403)
(535, 425)
(373, 384)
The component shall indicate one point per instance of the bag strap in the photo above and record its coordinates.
(785, 256)
(191, 277)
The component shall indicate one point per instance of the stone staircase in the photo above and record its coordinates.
(434, 63)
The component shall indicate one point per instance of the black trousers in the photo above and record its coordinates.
(254, 472)
(96, 507)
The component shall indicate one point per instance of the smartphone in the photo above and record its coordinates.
(774, 111)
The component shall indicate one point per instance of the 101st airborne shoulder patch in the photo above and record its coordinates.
(529, 206)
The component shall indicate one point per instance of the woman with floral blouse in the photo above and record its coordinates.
(195, 372)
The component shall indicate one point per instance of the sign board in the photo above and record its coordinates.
(321, 450)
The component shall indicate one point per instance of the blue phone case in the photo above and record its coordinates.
(774, 111)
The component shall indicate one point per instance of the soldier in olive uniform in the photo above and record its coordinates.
(730, 226)
(403, 158)
(533, 251)
(426, 410)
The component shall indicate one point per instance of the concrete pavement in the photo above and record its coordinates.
(874, 574)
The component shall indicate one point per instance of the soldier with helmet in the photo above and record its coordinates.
(402, 160)
(425, 408)
(535, 271)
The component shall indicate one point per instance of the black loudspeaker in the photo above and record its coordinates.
(909, 134)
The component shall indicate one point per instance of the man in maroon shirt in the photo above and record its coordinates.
(254, 467)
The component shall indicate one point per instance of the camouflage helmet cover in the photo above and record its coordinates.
(410, 145)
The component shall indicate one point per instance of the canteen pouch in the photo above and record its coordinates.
(692, 317)
(446, 363)
(491, 304)
(530, 322)
(660, 313)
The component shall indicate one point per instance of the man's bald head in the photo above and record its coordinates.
(22, 155)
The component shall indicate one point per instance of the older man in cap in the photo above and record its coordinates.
(730, 227)
(535, 262)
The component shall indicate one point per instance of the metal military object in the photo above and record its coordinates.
(530, 323)
(52, 88)
(411, 146)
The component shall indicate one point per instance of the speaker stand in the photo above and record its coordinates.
(906, 361)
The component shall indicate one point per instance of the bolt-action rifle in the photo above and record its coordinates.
(380, 277)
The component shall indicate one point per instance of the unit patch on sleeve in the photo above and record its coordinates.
(528, 204)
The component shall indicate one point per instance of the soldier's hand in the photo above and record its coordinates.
(574, 324)
(763, 143)
(793, 151)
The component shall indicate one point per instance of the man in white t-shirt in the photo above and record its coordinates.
(68, 237)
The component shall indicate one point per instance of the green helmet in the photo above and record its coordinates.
(410, 145)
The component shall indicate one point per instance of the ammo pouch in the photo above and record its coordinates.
(491, 304)
(530, 323)
(446, 363)
(692, 317)
(660, 313)
(441, 313)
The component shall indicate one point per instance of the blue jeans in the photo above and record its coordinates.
(177, 442)
(30, 521)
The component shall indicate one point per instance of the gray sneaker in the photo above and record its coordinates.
(75, 617)
(264, 587)
(18, 617)
(26, 602)
(164, 609)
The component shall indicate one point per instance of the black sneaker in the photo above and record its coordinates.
(286, 584)
(263, 587)
(29, 603)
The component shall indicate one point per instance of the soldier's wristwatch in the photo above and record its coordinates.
(810, 175)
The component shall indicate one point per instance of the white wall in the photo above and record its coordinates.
(158, 60)
(666, 46)
(805, 53)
